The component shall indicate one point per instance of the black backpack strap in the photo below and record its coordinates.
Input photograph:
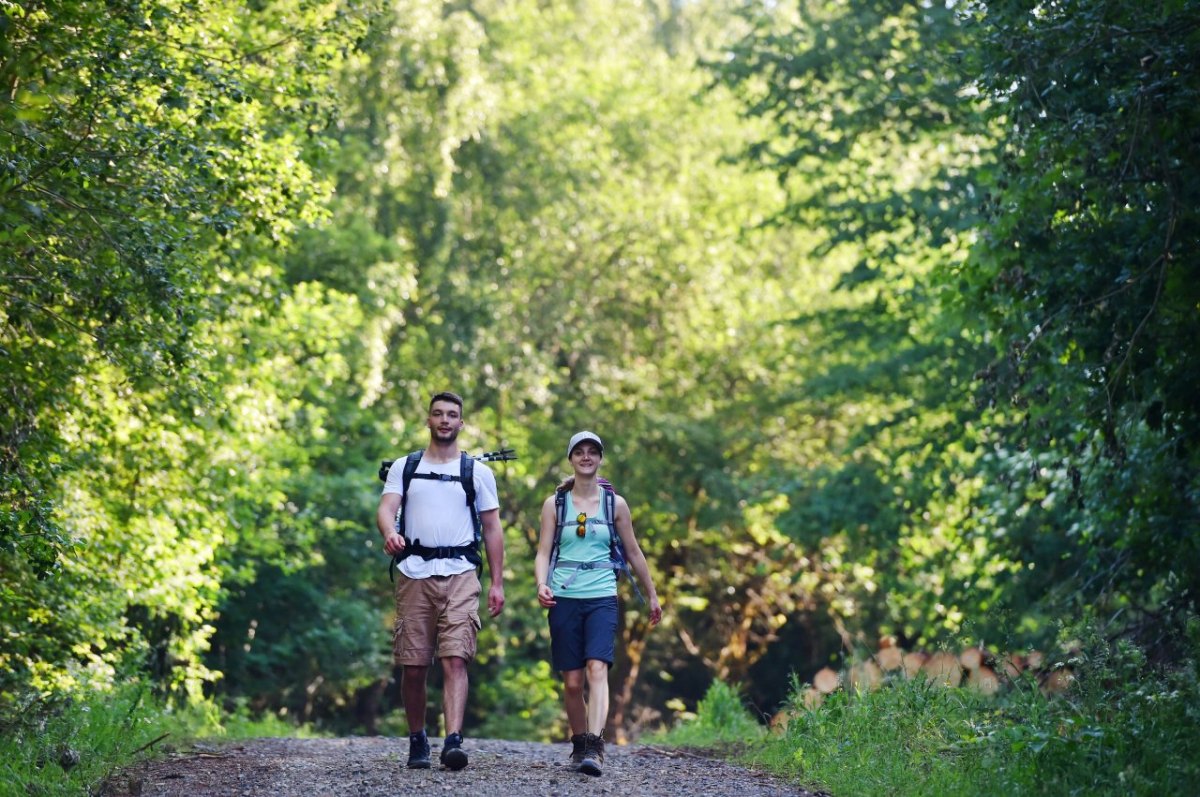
(406, 476)
(466, 471)
(560, 515)
(616, 549)
(410, 468)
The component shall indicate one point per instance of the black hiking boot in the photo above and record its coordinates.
(418, 751)
(593, 755)
(577, 749)
(453, 756)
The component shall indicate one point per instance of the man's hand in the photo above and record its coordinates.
(393, 544)
(495, 599)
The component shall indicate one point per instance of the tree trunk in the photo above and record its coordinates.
(627, 668)
(368, 703)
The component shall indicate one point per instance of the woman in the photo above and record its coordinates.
(577, 566)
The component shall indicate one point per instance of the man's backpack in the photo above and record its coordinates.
(413, 547)
(466, 476)
(616, 551)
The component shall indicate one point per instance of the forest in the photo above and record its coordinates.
(888, 314)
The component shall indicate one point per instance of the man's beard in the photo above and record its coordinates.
(445, 437)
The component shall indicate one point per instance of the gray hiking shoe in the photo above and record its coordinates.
(593, 755)
(453, 756)
(418, 751)
(577, 745)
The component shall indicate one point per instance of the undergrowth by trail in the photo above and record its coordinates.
(70, 744)
(1124, 729)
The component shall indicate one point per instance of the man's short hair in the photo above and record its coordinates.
(446, 395)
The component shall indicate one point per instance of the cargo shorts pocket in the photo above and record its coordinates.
(410, 645)
(460, 637)
(397, 639)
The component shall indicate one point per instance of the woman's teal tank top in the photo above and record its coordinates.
(600, 582)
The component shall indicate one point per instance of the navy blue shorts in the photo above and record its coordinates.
(582, 629)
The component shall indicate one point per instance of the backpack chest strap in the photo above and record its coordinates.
(592, 521)
(438, 477)
(580, 567)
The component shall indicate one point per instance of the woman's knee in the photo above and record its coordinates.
(597, 670)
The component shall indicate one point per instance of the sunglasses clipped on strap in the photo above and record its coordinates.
(581, 529)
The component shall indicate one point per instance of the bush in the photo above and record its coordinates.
(1123, 728)
(721, 718)
(70, 744)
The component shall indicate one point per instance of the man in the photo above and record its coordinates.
(437, 586)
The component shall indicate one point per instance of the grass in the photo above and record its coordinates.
(71, 745)
(1123, 729)
(721, 721)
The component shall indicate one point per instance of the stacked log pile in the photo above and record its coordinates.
(975, 668)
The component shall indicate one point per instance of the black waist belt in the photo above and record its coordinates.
(441, 552)
(468, 552)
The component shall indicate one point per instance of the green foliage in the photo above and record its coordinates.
(895, 740)
(768, 251)
(75, 742)
(141, 144)
(1124, 728)
(1066, 474)
(868, 130)
(157, 156)
(1085, 279)
(523, 702)
(877, 438)
(721, 718)
(291, 633)
(71, 744)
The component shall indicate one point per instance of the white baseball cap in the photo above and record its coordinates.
(580, 437)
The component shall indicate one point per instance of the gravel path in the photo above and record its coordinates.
(362, 766)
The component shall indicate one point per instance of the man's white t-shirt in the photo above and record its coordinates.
(437, 513)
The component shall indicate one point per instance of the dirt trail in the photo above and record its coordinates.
(361, 766)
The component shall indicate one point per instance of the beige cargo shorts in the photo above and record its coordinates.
(436, 614)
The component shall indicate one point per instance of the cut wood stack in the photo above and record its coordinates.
(890, 658)
(1013, 665)
(980, 673)
(826, 681)
(975, 667)
(973, 658)
(983, 680)
(943, 669)
(1057, 680)
(866, 676)
(913, 662)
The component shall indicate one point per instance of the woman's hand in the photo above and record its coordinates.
(545, 596)
(655, 611)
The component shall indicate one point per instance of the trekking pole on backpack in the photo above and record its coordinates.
(500, 455)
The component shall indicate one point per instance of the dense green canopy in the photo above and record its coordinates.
(887, 312)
